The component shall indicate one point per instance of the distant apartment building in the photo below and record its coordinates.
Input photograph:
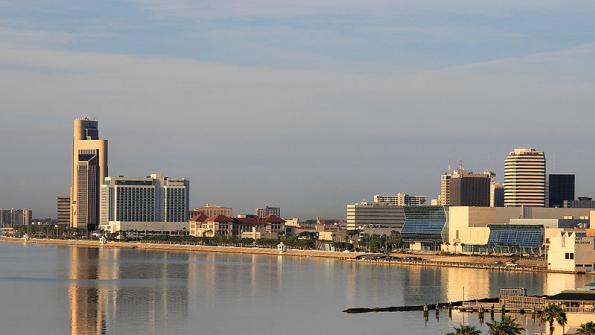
(444, 196)
(401, 199)
(496, 190)
(524, 178)
(375, 218)
(561, 188)
(63, 209)
(15, 217)
(267, 211)
(212, 210)
(469, 189)
(152, 199)
(581, 202)
(89, 168)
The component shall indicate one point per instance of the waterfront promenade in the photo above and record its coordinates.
(423, 260)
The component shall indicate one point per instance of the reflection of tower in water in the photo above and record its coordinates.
(123, 291)
(86, 300)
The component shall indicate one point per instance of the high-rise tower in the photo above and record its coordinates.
(524, 178)
(561, 188)
(89, 169)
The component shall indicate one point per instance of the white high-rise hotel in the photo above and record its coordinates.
(151, 199)
(524, 178)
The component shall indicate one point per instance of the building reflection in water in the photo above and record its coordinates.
(87, 307)
(113, 291)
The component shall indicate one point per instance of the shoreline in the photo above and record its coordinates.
(342, 256)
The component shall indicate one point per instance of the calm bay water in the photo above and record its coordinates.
(62, 290)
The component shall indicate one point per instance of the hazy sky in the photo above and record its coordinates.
(302, 104)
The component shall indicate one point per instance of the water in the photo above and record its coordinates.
(61, 290)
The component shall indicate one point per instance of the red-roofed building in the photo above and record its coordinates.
(219, 225)
(271, 227)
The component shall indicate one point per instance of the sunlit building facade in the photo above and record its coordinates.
(89, 168)
(524, 178)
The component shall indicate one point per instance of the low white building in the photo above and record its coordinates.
(571, 251)
(147, 227)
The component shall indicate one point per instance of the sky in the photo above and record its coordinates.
(307, 105)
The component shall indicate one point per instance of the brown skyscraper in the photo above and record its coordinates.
(89, 169)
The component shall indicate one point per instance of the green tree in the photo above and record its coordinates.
(554, 313)
(466, 330)
(506, 326)
(587, 328)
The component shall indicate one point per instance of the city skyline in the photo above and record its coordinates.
(248, 210)
(291, 105)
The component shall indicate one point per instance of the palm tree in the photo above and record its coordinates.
(506, 326)
(587, 328)
(554, 313)
(466, 330)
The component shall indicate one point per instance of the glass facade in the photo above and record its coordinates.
(561, 188)
(529, 236)
(425, 224)
(511, 239)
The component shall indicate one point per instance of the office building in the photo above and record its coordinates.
(89, 168)
(496, 190)
(581, 202)
(469, 189)
(63, 209)
(496, 194)
(151, 199)
(444, 197)
(561, 188)
(15, 217)
(401, 199)
(375, 218)
(268, 211)
(524, 178)
(211, 210)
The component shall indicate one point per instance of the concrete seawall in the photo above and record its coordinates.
(186, 248)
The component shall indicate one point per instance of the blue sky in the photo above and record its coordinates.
(306, 105)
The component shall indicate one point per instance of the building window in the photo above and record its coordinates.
(569, 255)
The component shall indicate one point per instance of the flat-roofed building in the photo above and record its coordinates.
(267, 211)
(444, 197)
(63, 209)
(212, 210)
(571, 251)
(524, 178)
(401, 199)
(147, 227)
(469, 189)
(15, 217)
(473, 226)
(581, 202)
(560, 188)
(375, 218)
(154, 198)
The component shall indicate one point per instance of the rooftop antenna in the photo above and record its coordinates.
(449, 167)
(460, 165)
